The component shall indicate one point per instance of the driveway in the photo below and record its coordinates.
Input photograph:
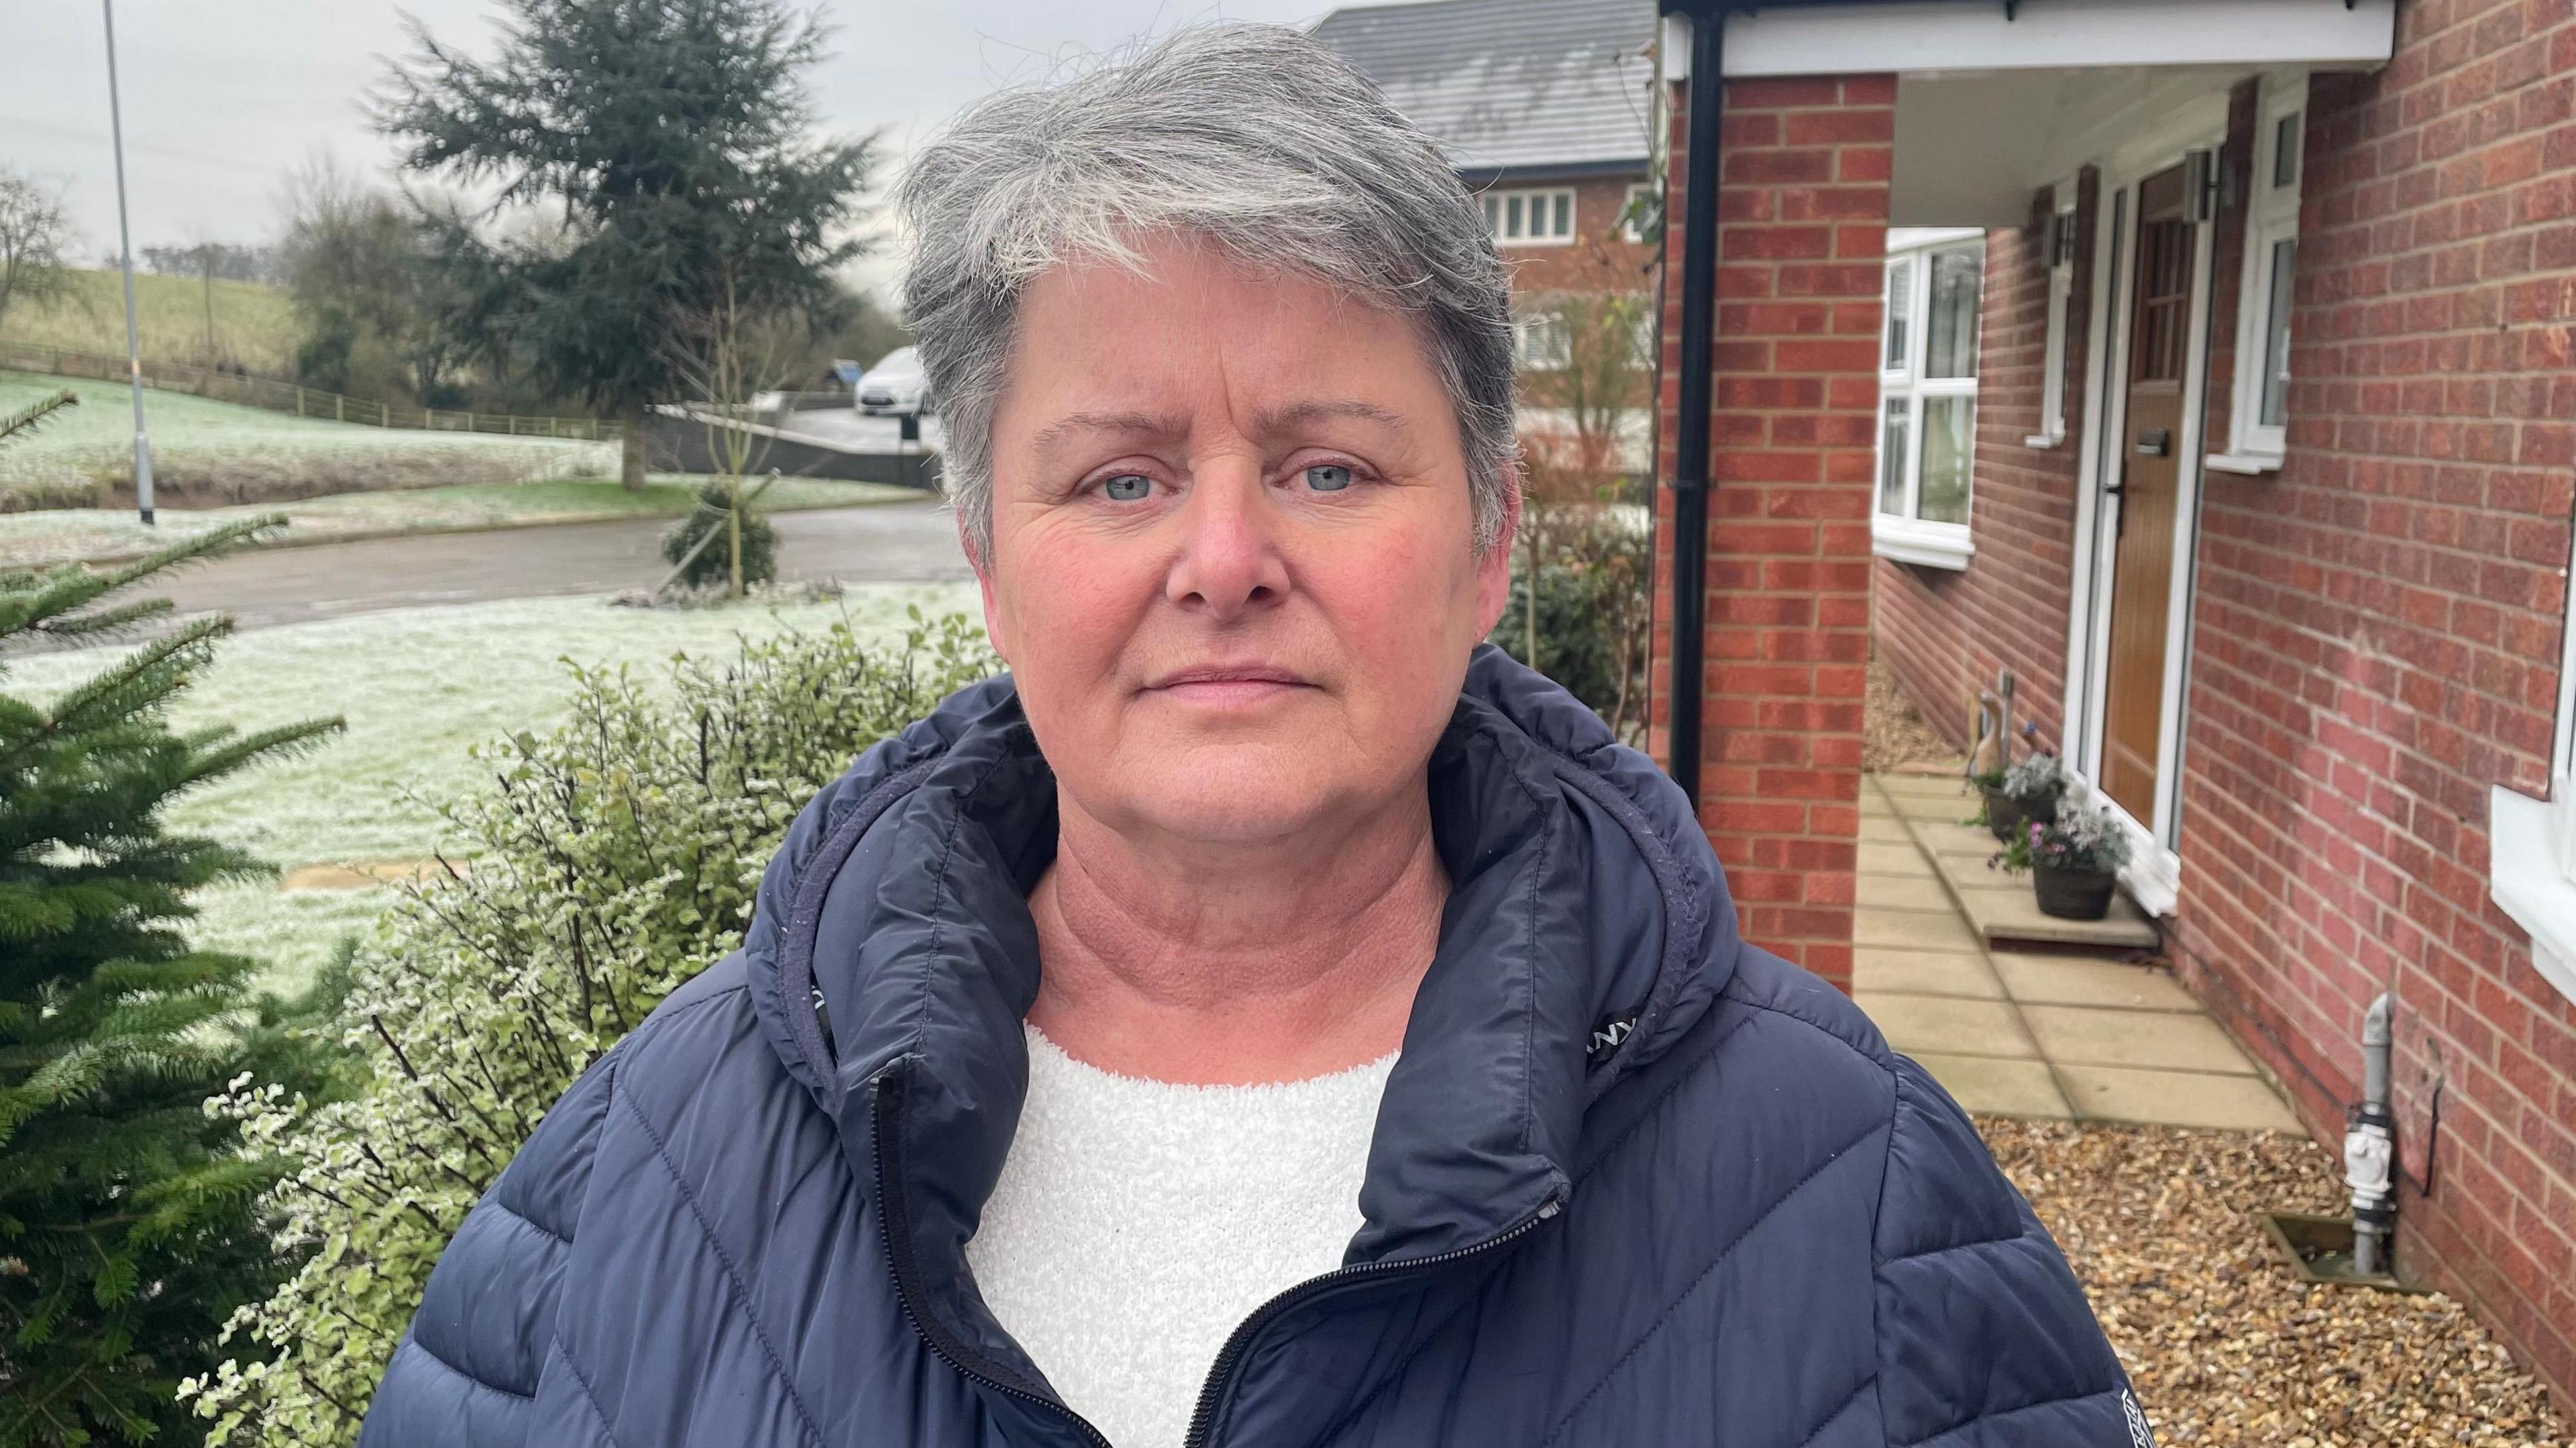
(882, 543)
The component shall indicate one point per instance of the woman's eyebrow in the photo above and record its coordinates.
(1282, 419)
(1130, 424)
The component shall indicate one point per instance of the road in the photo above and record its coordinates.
(880, 543)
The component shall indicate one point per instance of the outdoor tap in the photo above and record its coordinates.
(2369, 1147)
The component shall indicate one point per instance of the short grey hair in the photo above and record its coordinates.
(1257, 138)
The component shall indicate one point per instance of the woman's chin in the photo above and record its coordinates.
(1236, 796)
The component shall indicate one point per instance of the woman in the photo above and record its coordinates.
(1268, 1016)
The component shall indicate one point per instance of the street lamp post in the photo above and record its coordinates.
(125, 246)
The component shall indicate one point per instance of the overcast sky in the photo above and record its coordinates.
(225, 98)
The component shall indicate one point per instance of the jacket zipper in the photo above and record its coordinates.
(1203, 1417)
(898, 1264)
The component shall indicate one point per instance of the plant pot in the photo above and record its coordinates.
(2004, 814)
(2072, 894)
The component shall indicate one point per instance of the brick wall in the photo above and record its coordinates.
(1802, 230)
(2377, 637)
(1942, 631)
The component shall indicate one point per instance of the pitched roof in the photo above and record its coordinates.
(1511, 84)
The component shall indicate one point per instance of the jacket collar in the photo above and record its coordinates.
(1586, 904)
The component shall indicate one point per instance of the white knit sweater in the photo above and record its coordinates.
(1137, 1222)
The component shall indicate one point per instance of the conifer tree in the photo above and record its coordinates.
(129, 1229)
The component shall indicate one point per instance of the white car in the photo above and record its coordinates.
(895, 385)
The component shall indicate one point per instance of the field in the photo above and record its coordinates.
(254, 324)
(418, 687)
(207, 453)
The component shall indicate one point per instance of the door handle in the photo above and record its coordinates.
(2155, 444)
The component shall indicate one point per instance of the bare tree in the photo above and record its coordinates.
(729, 357)
(33, 234)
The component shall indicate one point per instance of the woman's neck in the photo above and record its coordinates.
(1227, 966)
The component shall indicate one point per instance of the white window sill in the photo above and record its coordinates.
(1931, 545)
(2528, 881)
(2250, 464)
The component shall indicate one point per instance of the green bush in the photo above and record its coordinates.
(714, 563)
(1593, 604)
(610, 861)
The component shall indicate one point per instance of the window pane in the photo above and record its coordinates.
(1512, 217)
(1949, 447)
(2276, 346)
(1900, 295)
(2285, 150)
(1565, 213)
(1494, 216)
(1950, 334)
(1891, 457)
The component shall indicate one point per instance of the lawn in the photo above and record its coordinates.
(418, 687)
(209, 452)
(254, 324)
(62, 534)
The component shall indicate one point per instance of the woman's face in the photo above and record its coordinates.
(1232, 567)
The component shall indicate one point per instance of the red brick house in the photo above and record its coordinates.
(1548, 109)
(2211, 367)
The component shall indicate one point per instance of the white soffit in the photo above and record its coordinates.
(1971, 147)
(2052, 34)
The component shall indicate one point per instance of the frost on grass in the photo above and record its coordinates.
(419, 687)
(206, 453)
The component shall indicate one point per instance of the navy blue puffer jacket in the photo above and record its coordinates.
(1634, 1181)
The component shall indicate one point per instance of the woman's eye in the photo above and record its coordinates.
(1328, 477)
(1127, 488)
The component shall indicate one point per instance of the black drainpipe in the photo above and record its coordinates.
(1690, 447)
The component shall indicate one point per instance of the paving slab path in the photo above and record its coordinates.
(878, 543)
(2029, 1032)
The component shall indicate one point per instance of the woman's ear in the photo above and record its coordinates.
(1494, 566)
(977, 558)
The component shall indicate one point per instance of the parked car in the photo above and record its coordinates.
(895, 385)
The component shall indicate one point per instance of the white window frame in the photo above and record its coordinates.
(1541, 343)
(1905, 536)
(1498, 207)
(2531, 843)
(2060, 242)
(1630, 214)
(2271, 217)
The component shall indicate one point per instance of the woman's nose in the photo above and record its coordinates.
(1230, 559)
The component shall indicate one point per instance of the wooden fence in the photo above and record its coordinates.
(278, 396)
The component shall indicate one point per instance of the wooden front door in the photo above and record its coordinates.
(2150, 468)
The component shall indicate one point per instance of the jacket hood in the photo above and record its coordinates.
(1588, 925)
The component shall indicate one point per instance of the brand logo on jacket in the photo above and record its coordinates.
(2139, 1437)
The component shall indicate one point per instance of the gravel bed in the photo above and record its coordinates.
(2225, 1345)
(1892, 732)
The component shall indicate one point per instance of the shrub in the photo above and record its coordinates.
(714, 564)
(1593, 604)
(609, 862)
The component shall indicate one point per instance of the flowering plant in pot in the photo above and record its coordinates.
(2074, 860)
(2028, 791)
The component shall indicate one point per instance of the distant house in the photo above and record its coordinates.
(1547, 108)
